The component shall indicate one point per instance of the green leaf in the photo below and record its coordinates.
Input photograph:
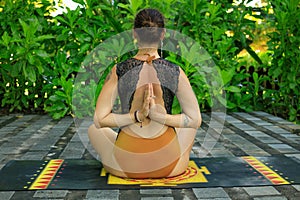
(30, 58)
(6, 39)
(62, 37)
(61, 19)
(29, 29)
(231, 105)
(41, 53)
(16, 68)
(253, 54)
(227, 75)
(292, 114)
(135, 5)
(43, 37)
(53, 98)
(61, 94)
(256, 82)
(79, 2)
(233, 89)
(21, 50)
(222, 100)
(29, 72)
(59, 114)
(84, 48)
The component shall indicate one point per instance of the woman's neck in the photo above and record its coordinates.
(144, 53)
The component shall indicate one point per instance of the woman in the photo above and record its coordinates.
(151, 142)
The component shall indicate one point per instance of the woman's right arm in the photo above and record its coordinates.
(190, 116)
(103, 116)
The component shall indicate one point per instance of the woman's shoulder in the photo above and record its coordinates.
(129, 61)
(127, 65)
(164, 64)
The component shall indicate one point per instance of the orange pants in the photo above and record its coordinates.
(168, 141)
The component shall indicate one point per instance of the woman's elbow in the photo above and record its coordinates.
(99, 122)
(102, 124)
(199, 122)
(196, 122)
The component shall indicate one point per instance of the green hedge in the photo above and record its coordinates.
(41, 55)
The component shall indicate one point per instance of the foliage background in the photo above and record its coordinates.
(40, 55)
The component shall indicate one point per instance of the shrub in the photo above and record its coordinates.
(41, 55)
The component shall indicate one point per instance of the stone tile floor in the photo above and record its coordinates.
(36, 137)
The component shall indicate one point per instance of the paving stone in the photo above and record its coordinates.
(297, 187)
(193, 155)
(271, 198)
(221, 153)
(10, 150)
(219, 114)
(2, 157)
(33, 137)
(212, 144)
(6, 195)
(256, 133)
(268, 140)
(261, 123)
(292, 137)
(261, 113)
(261, 191)
(102, 195)
(293, 128)
(276, 129)
(233, 120)
(296, 156)
(257, 153)
(244, 127)
(44, 144)
(227, 131)
(50, 194)
(248, 116)
(76, 138)
(275, 119)
(200, 152)
(236, 138)
(283, 148)
(157, 198)
(156, 191)
(34, 155)
(210, 193)
(156, 194)
(74, 150)
(237, 193)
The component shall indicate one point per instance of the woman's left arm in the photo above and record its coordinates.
(104, 117)
(190, 116)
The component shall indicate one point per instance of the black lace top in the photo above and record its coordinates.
(128, 76)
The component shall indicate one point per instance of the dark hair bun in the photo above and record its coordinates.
(149, 24)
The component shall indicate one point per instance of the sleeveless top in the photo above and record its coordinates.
(128, 76)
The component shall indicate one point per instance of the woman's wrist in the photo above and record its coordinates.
(137, 117)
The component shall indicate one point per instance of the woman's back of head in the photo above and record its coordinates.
(149, 25)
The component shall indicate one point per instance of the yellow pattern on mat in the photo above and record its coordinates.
(46, 176)
(193, 174)
(271, 175)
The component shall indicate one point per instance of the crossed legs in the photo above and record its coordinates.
(103, 141)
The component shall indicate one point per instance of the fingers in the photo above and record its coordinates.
(152, 96)
(150, 89)
(148, 99)
(147, 96)
(147, 92)
(146, 104)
